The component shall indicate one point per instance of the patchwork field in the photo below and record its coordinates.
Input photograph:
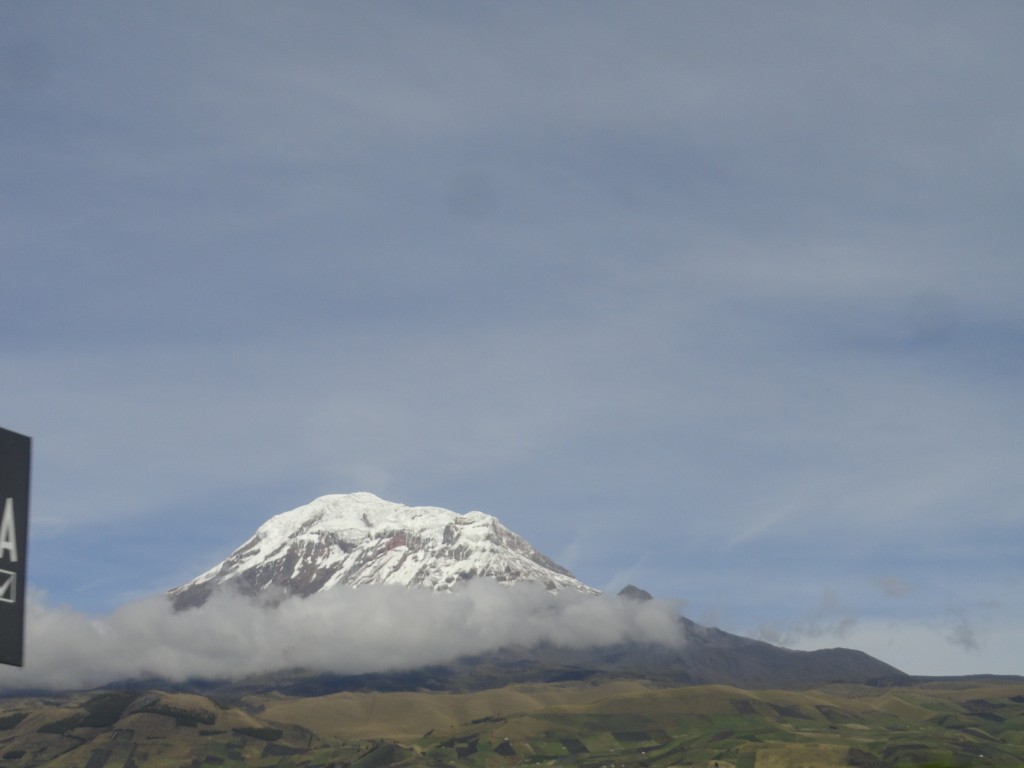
(624, 724)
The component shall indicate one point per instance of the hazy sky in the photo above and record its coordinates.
(725, 300)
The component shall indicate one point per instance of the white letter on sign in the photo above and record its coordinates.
(8, 543)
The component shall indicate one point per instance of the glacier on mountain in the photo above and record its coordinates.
(360, 539)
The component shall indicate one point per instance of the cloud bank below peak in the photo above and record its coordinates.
(345, 631)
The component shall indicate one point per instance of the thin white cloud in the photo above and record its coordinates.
(963, 634)
(893, 586)
(933, 646)
(829, 618)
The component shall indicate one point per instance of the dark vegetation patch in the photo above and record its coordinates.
(790, 712)
(631, 736)
(505, 749)
(909, 753)
(426, 679)
(836, 715)
(985, 709)
(467, 748)
(990, 716)
(861, 759)
(104, 710)
(61, 726)
(983, 705)
(574, 746)
(263, 734)
(282, 750)
(743, 707)
(385, 754)
(187, 718)
(488, 719)
(979, 734)
(101, 711)
(14, 754)
(9, 721)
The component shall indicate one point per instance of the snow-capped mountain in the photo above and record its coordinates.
(357, 539)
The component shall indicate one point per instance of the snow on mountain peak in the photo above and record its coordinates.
(358, 538)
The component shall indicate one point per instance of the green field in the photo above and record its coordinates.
(619, 724)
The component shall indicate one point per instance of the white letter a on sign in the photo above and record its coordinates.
(8, 542)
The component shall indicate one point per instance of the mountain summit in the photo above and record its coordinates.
(357, 539)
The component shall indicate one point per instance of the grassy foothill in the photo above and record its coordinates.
(617, 724)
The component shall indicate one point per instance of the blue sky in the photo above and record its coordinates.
(720, 299)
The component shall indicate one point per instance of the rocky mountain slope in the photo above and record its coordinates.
(359, 539)
(709, 656)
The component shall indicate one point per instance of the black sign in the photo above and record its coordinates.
(15, 452)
